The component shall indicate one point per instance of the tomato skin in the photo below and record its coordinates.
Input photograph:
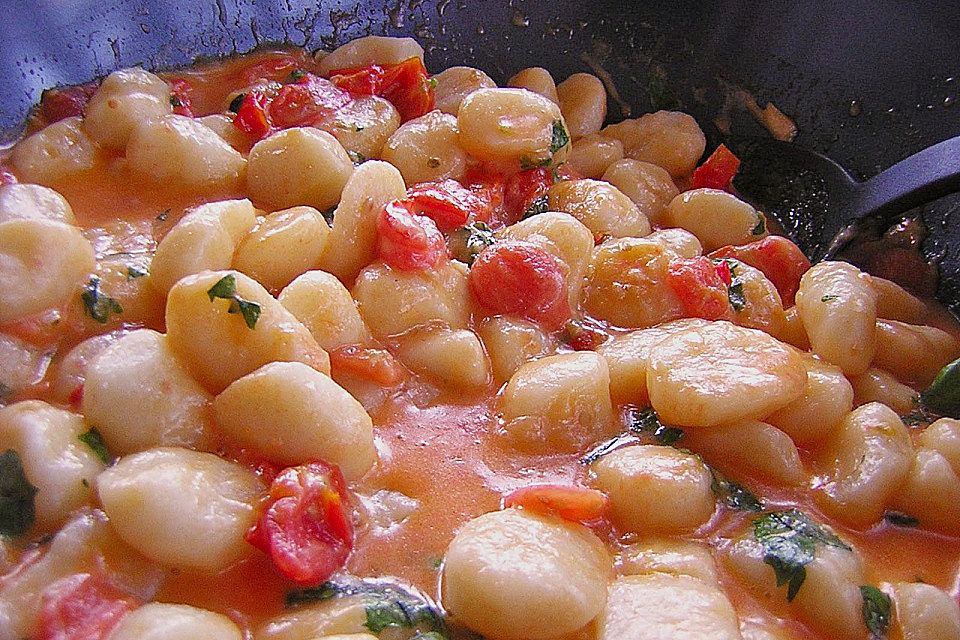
(406, 85)
(407, 241)
(521, 278)
(180, 98)
(304, 527)
(251, 117)
(522, 188)
(370, 363)
(65, 102)
(717, 171)
(701, 287)
(781, 261)
(305, 102)
(488, 188)
(81, 607)
(577, 504)
(448, 203)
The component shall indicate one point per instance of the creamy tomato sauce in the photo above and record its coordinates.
(447, 455)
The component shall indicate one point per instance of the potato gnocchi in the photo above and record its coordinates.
(321, 346)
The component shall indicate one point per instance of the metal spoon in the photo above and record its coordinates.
(822, 206)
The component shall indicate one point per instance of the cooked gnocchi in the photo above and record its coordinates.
(320, 346)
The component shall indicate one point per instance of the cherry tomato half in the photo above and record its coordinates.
(81, 607)
(522, 188)
(407, 241)
(702, 287)
(577, 504)
(520, 277)
(369, 363)
(781, 261)
(251, 117)
(448, 203)
(406, 85)
(304, 526)
(718, 171)
(305, 102)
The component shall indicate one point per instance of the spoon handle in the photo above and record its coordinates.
(927, 175)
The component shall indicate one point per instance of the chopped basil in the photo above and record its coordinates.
(647, 422)
(526, 162)
(608, 446)
(789, 539)
(735, 294)
(876, 611)
(163, 215)
(94, 440)
(943, 394)
(538, 206)
(433, 162)
(467, 242)
(900, 519)
(356, 157)
(85, 482)
(236, 102)
(559, 138)
(388, 603)
(226, 289)
(297, 75)
(17, 496)
(135, 272)
(175, 101)
(761, 227)
(829, 298)
(98, 305)
(432, 83)
(734, 495)
(662, 97)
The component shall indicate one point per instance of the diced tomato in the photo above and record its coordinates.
(407, 241)
(7, 177)
(781, 261)
(370, 363)
(520, 277)
(76, 397)
(701, 286)
(81, 607)
(581, 337)
(448, 203)
(717, 171)
(65, 102)
(251, 117)
(180, 97)
(304, 526)
(271, 66)
(522, 188)
(577, 504)
(406, 85)
(488, 187)
(305, 102)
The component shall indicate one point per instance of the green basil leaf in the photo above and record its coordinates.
(900, 519)
(17, 496)
(538, 206)
(943, 394)
(236, 102)
(559, 137)
(94, 440)
(876, 611)
(225, 288)
(734, 495)
(97, 304)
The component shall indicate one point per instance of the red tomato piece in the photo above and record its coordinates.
(65, 102)
(522, 188)
(577, 504)
(7, 177)
(370, 363)
(251, 117)
(407, 241)
(406, 85)
(448, 203)
(581, 337)
(180, 98)
(718, 170)
(488, 188)
(81, 607)
(781, 261)
(305, 102)
(304, 527)
(520, 277)
(701, 287)
(271, 66)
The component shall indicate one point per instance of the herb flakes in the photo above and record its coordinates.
(898, 519)
(236, 102)
(17, 496)
(537, 206)
(943, 394)
(226, 289)
(647, 422)
(789, 539)
(97, 304)
(134, 272)
(94, 440)
(467, 242)
(559, 137)
(733, 495)
(876, 611)
(829, 298)
(761, 227)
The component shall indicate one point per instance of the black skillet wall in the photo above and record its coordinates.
(868, 82)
